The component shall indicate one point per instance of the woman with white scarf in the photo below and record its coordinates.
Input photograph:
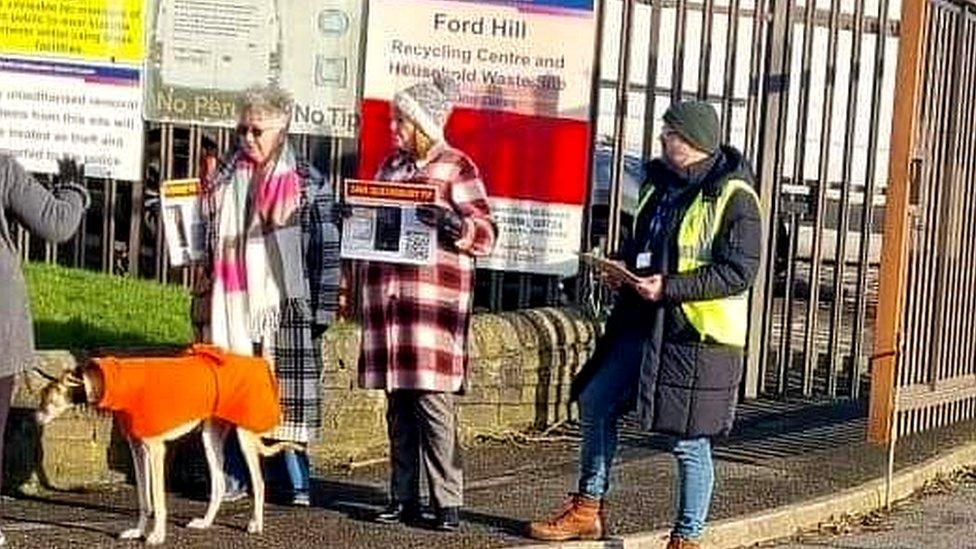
(271, 274)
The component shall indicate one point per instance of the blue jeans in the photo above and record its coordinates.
(605, 398)
(292, 474)
(235, 469)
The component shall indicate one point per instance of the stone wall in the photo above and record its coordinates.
(520, 368)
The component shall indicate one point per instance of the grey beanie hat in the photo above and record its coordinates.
(428, 104)
(696, 122)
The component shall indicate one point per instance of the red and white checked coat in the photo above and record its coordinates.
(415, 318)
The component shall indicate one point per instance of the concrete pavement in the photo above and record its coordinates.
(781, 453)
(944, 519)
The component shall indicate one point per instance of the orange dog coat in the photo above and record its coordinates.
(154, 395)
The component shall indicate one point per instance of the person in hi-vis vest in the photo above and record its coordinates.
(675, 341)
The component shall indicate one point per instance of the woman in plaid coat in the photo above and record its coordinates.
(415, 318)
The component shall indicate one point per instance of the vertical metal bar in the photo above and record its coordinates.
(965, 215)
(50, 248)
(840, 250)
(754, 371)
(811, 351)
(929, 210)
(193, 155)
(705, 63)
(79, 241)
(786, 313)
(799, 163)
(967, 172)
(775, 92)
(50, 252)
(223, 140)
(788, 309)
(594, 116)
(135, 226)
(731, 51)
(619, 124)
(166, 172)
(948, 189)
(968, 365)
(108, 226)
(136, 212)
(650, 96)
(195, 147)
(524, 290)
(496, 292)
(952, 356)
(23, 244)
(890, 301)
(910, 322)
(678, 63)
(867, 208)
(940, 210)
(553, 297)
(756, 77)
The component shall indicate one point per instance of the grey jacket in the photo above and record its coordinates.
(51, 216)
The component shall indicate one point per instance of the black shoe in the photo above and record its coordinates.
(447, 519)
(399, 513)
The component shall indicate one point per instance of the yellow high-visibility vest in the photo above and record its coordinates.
(724, 320)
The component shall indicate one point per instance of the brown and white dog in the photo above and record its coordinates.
(148, 454)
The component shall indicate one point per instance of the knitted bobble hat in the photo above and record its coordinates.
(428, 104)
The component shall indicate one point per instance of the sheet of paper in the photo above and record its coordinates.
(609, 267)
(227, 50)
(182, 221)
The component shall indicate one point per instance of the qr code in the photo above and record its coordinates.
(416, 245)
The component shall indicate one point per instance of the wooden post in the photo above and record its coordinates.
(903, 167)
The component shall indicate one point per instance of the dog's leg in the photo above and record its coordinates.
(249, 447)
(214, 434)
(157, 479)
(140, 465)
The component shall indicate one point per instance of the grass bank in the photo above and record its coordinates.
(75, 309)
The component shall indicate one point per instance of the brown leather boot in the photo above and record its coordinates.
(579, 517)
(678, 542)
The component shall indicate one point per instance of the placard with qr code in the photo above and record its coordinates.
(383, 225)
(182, 220)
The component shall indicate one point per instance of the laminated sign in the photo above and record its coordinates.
(203, 54)
(384, 224)
(182, 221)
(70, 85)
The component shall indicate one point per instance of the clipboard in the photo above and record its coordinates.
(610, 268)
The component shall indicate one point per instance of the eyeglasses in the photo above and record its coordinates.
(257, 132)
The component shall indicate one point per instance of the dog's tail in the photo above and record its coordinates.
(268, 450)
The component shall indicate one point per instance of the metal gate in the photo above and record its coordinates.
(804, 90)
(924, 374)
(802, 87)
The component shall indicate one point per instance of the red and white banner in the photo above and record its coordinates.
(524, 69)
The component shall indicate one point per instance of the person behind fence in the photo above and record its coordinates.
(53, 215)
(269, 283)
(674, 342)
(415, 318)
